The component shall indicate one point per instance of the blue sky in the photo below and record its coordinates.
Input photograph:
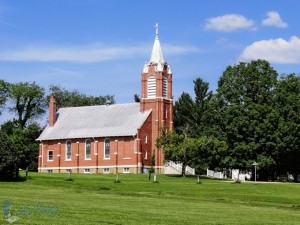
(99, 47)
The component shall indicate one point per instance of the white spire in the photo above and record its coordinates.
(156, 55)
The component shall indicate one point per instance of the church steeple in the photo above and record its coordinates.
(156, 96)
(157, 55)
(157, 75)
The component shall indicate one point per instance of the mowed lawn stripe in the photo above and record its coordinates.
(96, 199)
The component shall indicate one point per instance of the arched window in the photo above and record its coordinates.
(106, 148)
(68, 150)
(151, 87)
(88, 149)
(165, 87)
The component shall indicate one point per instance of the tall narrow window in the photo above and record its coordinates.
(50, 155)
(151, 87)
(68, 150)
(107, 148)
(165, 87)
(88, 149)
(146, 139)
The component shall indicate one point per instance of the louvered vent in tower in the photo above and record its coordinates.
(151, 87)
(165, 87)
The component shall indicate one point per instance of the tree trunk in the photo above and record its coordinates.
(183, 169)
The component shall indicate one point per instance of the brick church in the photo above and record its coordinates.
(117, 138)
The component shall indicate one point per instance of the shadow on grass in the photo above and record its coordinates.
(69, 179)
(202, 177)
(18, 179)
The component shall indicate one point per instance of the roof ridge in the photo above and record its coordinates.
(131, 103)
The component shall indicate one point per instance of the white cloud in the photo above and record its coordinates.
(274, 19)
(178, 50)
(64, 72)
(85, 54)
(274, 50)
(229, 22)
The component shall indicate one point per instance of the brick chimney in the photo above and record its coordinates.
(52, 111)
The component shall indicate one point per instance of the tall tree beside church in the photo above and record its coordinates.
(191, 115)
(3, 94)
(184, 109)
(27, 102)
(66, 98)
(286, 118)
(245, 95)
(203, 101)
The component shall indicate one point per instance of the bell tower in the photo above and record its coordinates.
(156, 95)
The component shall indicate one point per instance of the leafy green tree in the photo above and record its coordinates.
(9, 126)
(191, 116)
(9, 159)
(203, 99)
(3, 94)
(172, 144)
(184, 115)
(201, 153)
(210, 153)
(286, 118)
(66, 98)
(24, 142)
(245, 97)
(28, 102)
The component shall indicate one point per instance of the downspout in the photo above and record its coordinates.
(42, 162)
(96, 152)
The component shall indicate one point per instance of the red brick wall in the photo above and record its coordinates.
(162, 109)
(123, 146)
(146, 131)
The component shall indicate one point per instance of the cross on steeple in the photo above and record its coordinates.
(156, 30)
(157, 55)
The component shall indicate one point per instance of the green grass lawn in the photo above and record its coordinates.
(96, 199)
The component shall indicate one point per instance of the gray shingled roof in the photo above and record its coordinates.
(96, 121)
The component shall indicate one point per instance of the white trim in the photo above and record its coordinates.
(165, 87)
(42, 154)
(126, 170)
(151, 87)
(85, 158)
(106, 158)
(88, 167)
(50, 160)
(106, 172)
(95, 145)
(134, 145)
(66, 151)
(87, 170)
(127, 158)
